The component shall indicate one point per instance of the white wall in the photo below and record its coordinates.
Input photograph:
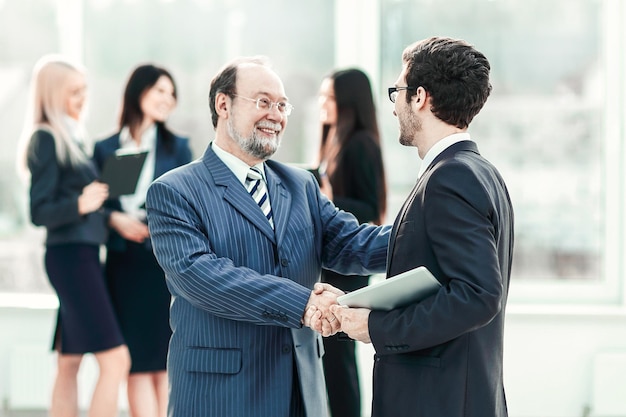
(27, 364)
(549, 358)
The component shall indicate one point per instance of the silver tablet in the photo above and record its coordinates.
(397, 291)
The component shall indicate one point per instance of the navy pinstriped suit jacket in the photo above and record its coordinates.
(239, 288)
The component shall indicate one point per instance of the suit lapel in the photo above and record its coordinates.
(396, 225)
(280, 200)
(236, 194)
(447, 153)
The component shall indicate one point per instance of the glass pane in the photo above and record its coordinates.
(193, 39)
(28, 30)
(542, 126)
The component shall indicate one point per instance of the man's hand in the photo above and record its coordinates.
(317, 314)
(354, 322)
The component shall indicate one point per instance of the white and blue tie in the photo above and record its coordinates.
(258, 190)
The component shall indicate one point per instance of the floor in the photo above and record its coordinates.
(40, 413)
(365, 358)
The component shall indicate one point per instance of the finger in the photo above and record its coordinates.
(330, 288)
(318, 288)
(316, 322)
(308, 315)
(338, 310)
(326, 328)
(335, 323)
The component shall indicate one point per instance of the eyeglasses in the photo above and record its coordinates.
(393, 92)
(266, 104)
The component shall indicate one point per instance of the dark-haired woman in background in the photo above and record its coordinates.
(353, 177)
(136, 282)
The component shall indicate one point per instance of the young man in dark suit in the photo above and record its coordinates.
(443, 356)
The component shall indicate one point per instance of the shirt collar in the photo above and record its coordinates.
(236, 165)
(439, 147)
(148, 138)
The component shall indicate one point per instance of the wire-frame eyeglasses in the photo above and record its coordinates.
(266, 104)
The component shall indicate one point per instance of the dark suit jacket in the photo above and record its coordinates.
(54, 193)
(239, 288)
(358, 176)
(166, 159)
(443, 356)
(355, 181)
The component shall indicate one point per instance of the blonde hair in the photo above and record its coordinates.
(46, 111)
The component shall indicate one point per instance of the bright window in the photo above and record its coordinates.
(549, 126)
(554, 124)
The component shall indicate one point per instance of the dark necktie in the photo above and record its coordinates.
(257, 189)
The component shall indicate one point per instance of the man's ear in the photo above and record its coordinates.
(222, 102)
(420, 96)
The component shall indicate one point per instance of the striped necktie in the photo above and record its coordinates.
(257, 189)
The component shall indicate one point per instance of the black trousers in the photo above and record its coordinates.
(340, 364)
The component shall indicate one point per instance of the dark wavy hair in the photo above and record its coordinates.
(143, 78)
(454, 74)
(355, 112)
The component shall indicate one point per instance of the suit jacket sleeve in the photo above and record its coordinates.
(51, 205)
(460, 225)
(211, 283)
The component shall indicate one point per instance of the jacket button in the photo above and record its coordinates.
(286, 349)
(284, 262)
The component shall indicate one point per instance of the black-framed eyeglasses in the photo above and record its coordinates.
(393, 92)
(266, 104)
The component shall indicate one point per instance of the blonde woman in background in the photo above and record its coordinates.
(66, 199)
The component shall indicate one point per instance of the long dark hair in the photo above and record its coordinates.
(355, 112)
(143, 78)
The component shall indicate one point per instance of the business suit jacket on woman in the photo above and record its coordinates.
(165, 160)
(443, 356)
(54, 196)
(239, 288)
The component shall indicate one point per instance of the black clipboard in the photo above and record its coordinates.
(121, 172)
(398, 291)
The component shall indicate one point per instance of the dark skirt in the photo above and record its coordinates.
(141, 300)
(86, 321)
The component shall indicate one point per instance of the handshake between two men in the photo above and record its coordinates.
(324, 315)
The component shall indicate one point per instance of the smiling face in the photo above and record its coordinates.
(75, 92)
(158, 102)
(257, 132)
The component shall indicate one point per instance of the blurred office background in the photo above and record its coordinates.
(554, 125)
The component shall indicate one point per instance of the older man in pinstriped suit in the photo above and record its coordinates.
(240, 285)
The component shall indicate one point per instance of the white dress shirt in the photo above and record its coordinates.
(239, 168)
(439, 147)
(133, 204)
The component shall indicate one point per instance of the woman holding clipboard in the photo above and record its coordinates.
(136, 282)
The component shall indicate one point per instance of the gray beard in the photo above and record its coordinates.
(256, 147)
